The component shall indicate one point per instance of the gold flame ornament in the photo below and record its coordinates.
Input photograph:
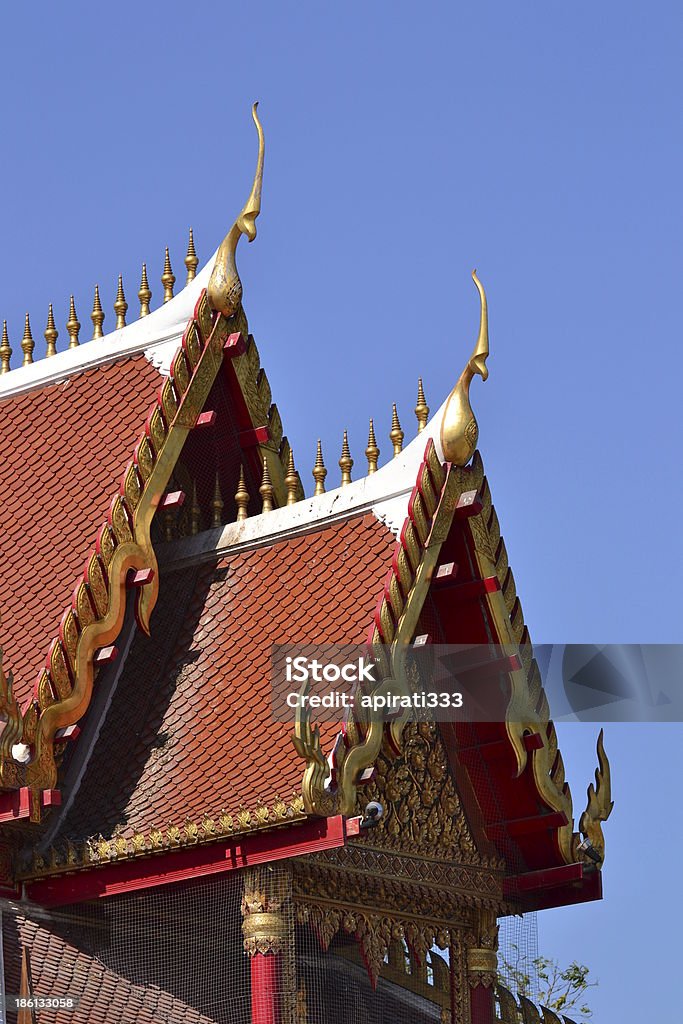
(600, 802)
(225, 287)
(459, 429)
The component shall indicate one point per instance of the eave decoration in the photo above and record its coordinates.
(124, 545)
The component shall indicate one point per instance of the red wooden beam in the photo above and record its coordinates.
(469, 590)
(251, 438)
(106, 654)
(546, 878)
(192, 862)
(205, 419)
(16, 804)
(235, 346)
(174, 499)
(141, 577)
(527, 826)
(469, 504)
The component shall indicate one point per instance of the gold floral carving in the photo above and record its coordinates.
(266, 909)
(482, 943)
(97, 849)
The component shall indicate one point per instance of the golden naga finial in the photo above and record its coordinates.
(459, 430)
(225, 287)
(599, 805)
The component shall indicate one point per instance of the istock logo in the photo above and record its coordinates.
(301, 669)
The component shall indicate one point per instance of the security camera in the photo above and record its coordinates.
(373, 812)
(587, 847)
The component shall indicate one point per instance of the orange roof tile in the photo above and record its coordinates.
(64, 447)
(190, 731)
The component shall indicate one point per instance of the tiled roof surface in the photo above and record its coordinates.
(190, 730)
(64, 447)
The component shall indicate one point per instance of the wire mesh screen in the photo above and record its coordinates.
(517, 954)
(172, 954)
(336, 987)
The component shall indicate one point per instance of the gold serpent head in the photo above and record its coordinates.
(600, 802)
(225, 287)
(459, 429)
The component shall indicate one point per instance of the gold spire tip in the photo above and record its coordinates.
(191, 261)
(5, 350)
(372, 450)
(27, 343)
(345, 461)
(266, 488)
(73, 325)
(144, 293)
(421, 407)
(396, 434)
(120, 305)
(168, 277)
(242, 497)
(51, 334)
(292, 480)
(97, 315)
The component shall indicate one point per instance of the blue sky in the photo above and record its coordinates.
(406, 144)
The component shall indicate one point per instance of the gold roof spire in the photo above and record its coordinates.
(319, 471)
(372, 451)
(396, 435)
(459, 429)
(51, 334)
(421, 408)
(225, 287)
(144, 292)
(242, 497)
(195, 512)
(97, 315)
(191, 261)
(120, 305)
(292, 480)
(73, 325)
(5, 350)
(345, 461)
(167, 278)
(27, 343)
(217, 505)
(266, 488)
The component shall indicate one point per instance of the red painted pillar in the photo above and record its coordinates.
(266, 988)
(481, 1004)
(268, 930)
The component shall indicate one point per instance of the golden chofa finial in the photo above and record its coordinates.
(599, 805)
(145, 293)
(27, 343)
(459, 430)
(345, 461)
(225, 287)
(266, 488)
(319, 471)
(73, 325)
(396, 435)
(5, 350)
(372, 451)
(292, 480)
(51, 334)
(191, 261)
(242, 497)
(167, 278)
(421, 408)
(120, 305)
(97, 315)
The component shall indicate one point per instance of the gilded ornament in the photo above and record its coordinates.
(345, 461)
(192, 345)
(292, 480)
(191, 261)
(459, 430)
(266, 488)
(217, 505)
(51, 334)
(27, 343)
(73, 325)
(144, 292)
(195, 512)
(396, 435)
(600, 802)
(319, 471)
(120, 305)
(167, 278)
(421, 408)
(372, 451)
(5, 350)
(225, 287)
(97, 315)
(242, 498)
